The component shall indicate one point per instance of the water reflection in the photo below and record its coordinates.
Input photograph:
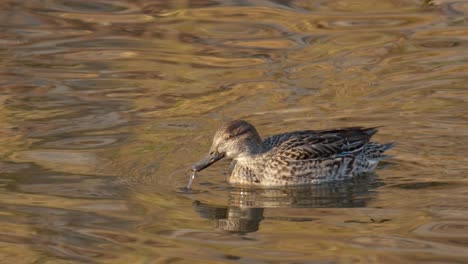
(246, 206)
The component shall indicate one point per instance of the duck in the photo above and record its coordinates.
(293, 158)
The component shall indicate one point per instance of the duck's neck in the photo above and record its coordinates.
(252, 152)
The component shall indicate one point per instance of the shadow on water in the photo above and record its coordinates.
(246, 206)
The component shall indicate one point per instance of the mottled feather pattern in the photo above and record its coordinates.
(306, 157)
(294, 158)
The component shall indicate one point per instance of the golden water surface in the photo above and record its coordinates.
(106, 104)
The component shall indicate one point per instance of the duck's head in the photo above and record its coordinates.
(235, 139)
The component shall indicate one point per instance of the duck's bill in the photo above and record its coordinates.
(207, 161)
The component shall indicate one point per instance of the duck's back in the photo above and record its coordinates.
(312, 144)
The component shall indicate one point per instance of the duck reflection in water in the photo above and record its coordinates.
(246, 206)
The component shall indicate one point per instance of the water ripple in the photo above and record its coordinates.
(444, 229)
(86, 7)
(400, 244)
(86, 142)
(105, 104)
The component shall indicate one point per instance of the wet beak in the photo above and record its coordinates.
(207, 161)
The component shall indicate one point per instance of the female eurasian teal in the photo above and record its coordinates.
(294, 158)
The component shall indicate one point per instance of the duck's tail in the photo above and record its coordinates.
(367, 160)
(375, 151)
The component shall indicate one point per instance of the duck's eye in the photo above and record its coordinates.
(230, 136)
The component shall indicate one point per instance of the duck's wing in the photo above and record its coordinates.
(303, 145)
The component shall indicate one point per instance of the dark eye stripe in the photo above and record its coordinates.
(238, 132)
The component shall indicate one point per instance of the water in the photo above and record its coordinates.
(105, 105)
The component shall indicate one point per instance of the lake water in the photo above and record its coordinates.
(105, 105)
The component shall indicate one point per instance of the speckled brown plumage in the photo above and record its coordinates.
(294, 158)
